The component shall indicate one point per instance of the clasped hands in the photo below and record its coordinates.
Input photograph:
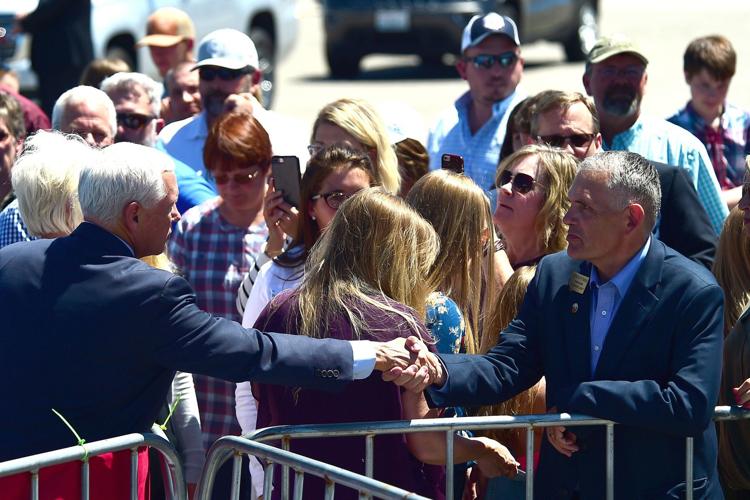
(408, 363)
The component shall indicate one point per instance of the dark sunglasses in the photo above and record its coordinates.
(505, 60)
(520, 183)
(560, 141)
(133, 121)
(243, 178)
(334, 199)
(209, 73)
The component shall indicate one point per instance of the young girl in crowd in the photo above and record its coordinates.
(528, 402)
(460, 213)
(366, 279)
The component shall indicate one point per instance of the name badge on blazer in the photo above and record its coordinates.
(578, 283)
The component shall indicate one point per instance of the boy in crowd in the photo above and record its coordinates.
(709, 65)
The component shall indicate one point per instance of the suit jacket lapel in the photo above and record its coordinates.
(635, 309)
(578, 329)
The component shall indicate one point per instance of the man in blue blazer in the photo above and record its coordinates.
(94, 333)
(623, 328)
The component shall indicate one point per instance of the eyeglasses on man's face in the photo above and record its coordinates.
(134, 121)
(485, 61)
(562, 141)
(209, 73)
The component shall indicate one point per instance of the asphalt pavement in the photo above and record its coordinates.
(663, 28)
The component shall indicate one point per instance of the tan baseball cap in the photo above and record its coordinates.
(606, 47)
(166, 27)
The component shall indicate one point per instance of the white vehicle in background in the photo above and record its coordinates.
(117, 24)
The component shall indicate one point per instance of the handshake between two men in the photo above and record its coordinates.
(409, 364)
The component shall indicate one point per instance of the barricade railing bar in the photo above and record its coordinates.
(450, 425)
(174, 482)
(235, 446)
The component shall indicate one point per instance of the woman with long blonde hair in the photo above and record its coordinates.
(365, 279)
(356, 123)
(460, 213)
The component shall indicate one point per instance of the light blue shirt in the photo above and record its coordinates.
(481, 151)
(606, 299)
(658, 140)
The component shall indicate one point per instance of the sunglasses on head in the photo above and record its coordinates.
(238, 178)
(505, 60)
(209, 73)
(520, 183)
(561, 141)
(133, 121)
(334, 199)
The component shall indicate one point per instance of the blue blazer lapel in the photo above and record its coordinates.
(633, 313)
(578, 329)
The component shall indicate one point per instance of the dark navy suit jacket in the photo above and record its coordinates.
(97, 335)
(658, 376)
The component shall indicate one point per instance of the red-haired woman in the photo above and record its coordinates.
(216, 244)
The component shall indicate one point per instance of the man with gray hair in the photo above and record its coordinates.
(623, 328)
(87, 112)
(137, 101)
(96, 334)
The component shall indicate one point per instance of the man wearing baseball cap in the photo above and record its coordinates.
(170, 36)
(474, 127)
(615, 76)
(229, 78)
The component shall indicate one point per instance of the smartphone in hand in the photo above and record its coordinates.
(286, 178)
(454, 163)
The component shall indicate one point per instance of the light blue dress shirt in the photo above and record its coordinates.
(658, 140)
(481, 151)
(606, 299)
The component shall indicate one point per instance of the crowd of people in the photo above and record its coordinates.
(584, 258)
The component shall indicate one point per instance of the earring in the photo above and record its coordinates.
(313, 217)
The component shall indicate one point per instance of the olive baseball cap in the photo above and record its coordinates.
(606, 47)
(166, 27)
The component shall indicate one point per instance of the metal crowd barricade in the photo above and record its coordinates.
(370, 429)
(236, 446)
(174, 479)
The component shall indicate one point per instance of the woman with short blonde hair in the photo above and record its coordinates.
(357, 123)
(45, 181)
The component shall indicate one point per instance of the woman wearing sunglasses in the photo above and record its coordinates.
(532, 198)
(216, 244)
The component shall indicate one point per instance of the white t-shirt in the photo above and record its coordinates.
(272, 279)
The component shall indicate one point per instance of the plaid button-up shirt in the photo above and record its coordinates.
(214, 257)
(727, 147)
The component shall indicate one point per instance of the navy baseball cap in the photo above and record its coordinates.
(482, 26)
